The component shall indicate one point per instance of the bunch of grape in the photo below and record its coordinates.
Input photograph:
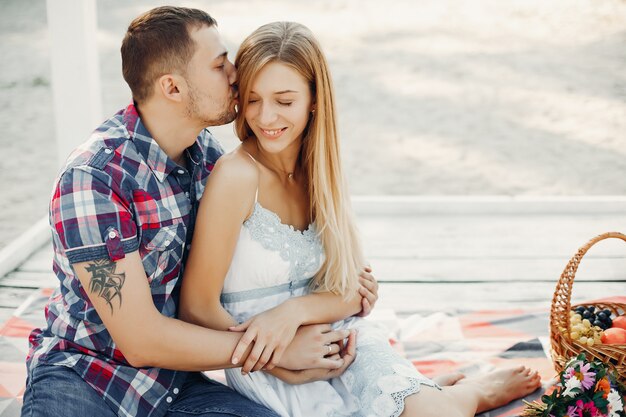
(600, 318)
(582, 329)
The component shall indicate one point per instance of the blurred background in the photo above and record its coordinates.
(435, 97)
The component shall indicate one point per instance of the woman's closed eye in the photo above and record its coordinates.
(285, 103)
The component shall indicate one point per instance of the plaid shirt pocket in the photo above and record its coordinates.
(161, 250)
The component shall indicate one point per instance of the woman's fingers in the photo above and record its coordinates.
(334, 336)
(264, 359)
(332, 350)
(349, 354)
(275, 359)
(369, 285)
(350, 349)
(240, 327)
(366, 305)
(328, 363)
(245, 341)
(253, 357)
(368, 291)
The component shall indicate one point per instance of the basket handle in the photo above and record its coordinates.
(561, 302)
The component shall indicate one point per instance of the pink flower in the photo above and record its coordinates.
(572, 411)
(587, 409)
(585, 376)
(569, 372)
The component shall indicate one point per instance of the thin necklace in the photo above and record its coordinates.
(289, 175)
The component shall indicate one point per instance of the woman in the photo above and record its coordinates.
(276, 232)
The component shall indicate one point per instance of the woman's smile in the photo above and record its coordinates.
(274, 133)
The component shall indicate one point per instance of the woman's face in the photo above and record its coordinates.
(278, 107)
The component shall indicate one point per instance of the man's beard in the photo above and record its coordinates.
(192, 111)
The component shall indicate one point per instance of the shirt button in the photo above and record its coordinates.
(181, 172)
(176, 391)
(112, 234)
(107, 151)
(169, 399)
(187, 194)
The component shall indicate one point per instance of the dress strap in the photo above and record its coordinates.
(256, 195)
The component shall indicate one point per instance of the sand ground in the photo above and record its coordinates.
(435, 97)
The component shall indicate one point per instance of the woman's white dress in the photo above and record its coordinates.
(273, 262)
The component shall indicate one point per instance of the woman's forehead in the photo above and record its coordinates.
(278, 78)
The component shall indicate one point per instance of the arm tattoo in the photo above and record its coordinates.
(105, 282)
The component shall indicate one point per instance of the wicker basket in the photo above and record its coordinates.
(563, 347)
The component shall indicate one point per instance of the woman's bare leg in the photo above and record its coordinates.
(473, 395)
(446, 380)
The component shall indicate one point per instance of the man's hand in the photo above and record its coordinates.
(311, 346)
(347, 354)
(368, 290)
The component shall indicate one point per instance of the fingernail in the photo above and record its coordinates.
(235, 361)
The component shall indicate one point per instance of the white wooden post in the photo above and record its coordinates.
(75, 72)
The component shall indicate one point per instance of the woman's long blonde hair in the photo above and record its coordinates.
(294, 45)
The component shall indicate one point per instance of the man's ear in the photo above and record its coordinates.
(170, 86)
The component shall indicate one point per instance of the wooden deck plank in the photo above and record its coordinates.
(39, 261)
(415, 297)
(29, 279)
(480, 270)
(5, 314)
(11, 297)
(477, 236)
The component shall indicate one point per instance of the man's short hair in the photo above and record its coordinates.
(158, 42)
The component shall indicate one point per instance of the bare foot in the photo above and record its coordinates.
(447, 380)
(502, 386)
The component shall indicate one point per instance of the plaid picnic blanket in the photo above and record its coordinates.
(466, 341)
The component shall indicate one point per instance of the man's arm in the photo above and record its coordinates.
(121, 295)
(94, 227)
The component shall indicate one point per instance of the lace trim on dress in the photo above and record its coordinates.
(385, 397)
(392, 404)
(302, 249)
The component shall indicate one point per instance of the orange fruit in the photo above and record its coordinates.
(619, 322)
(614, 336)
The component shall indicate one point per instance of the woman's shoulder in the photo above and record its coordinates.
(236, 168)
(234, 181)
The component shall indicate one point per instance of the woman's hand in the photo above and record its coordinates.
(368, 291)
(347, 354)
(271, 332)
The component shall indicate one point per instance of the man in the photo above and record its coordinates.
(122, 214)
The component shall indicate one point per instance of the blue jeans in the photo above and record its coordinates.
(59, 391)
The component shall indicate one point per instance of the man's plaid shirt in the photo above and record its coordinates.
(119, 193)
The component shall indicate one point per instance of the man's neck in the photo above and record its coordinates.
(169, 128)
